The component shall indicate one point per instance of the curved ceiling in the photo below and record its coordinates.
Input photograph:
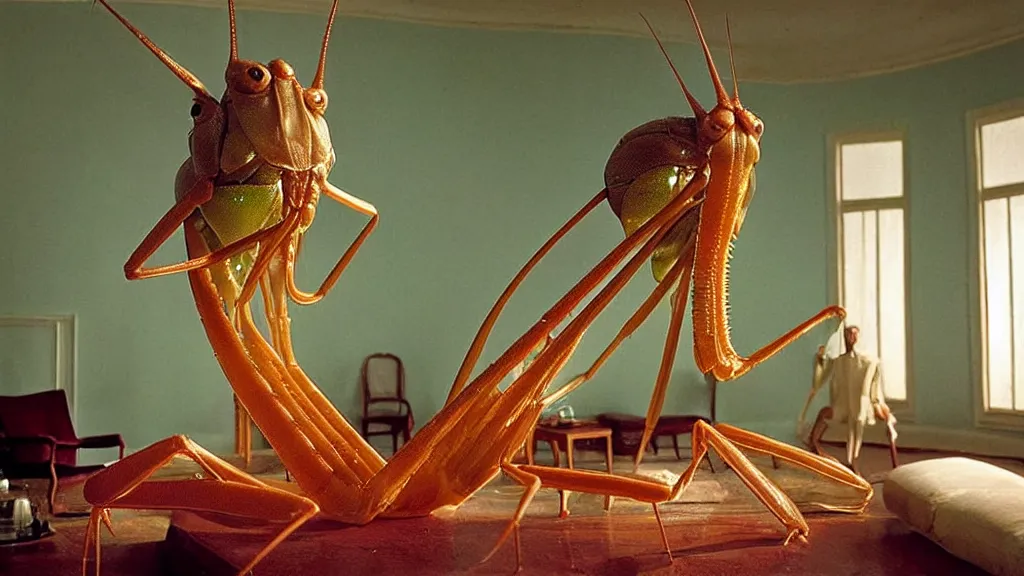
(781, 41)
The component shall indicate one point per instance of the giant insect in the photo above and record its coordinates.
(705, 162)
(249, 190)
(338, 473)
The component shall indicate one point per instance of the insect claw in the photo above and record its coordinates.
(105, 516)
(798, 533)
(512, 529)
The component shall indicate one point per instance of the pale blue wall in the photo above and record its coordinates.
(475, 146)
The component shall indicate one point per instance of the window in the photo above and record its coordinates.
(871, 222)
(998, 145)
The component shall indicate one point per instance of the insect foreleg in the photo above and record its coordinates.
(357, 204)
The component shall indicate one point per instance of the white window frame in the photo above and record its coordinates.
(837, 207)
(997, 418)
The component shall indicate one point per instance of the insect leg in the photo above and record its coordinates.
(823, 465)
(357, 204)
(476, 348)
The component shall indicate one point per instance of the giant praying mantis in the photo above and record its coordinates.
(260, 159)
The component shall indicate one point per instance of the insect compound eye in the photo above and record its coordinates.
(316, 99)
(752, 124)
(247, 77)
(196, 110)
(718, 122)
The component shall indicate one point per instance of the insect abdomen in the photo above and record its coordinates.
(651, 165)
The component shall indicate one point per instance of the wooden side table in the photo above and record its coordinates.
(566, 436)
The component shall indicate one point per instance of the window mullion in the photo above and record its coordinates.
(878, 281)
(1013, 311)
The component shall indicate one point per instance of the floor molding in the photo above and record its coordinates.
(971, 441)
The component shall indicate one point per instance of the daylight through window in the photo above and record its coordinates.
(872, 272)
(1000, 155)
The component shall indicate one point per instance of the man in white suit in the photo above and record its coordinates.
(856, 396)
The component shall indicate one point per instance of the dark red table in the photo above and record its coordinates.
(628, 428)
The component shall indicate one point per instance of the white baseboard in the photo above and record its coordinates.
(971, 441)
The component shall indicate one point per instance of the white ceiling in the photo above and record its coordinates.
(775, 40)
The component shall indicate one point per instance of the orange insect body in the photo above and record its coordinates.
(655, 162)
(260, 160)
(650, 165)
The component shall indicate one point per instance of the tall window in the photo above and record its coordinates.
(872, 215)
(999, 154)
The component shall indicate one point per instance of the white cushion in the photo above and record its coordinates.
(971, 508)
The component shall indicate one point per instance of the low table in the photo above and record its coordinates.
(566, 436)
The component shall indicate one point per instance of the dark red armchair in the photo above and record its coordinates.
(38, 440)
(385, 409)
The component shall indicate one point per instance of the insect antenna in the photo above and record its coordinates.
(178, 70)
(697, 108)
(732, 61)
(723, 98)
(318, 80)
(233, 56)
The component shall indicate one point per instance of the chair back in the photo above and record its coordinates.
(42, 413)
(383, 378)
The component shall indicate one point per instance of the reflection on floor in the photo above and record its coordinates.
(716, 527)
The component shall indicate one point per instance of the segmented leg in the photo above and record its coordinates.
(532, 484)
(535, 477)
(357, 204)
(477, 347)
(539, 373)
(243, 432)
(334, 449)
(266, 399)
(681, 268)
(479, 407)
(92, 536)
(280, 275)
(267, 394)
(231, 491)
(668, 357)
(315, 406)
(726, 441)
(825, 466)
(170, 222)
(726, 369)
(298, 398)
(274, 273)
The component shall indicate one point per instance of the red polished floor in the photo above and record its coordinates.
(717, 529)
(627, 543)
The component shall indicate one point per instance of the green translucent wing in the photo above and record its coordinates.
(235, 212)
(647, 196)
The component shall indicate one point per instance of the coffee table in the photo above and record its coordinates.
(566, 436)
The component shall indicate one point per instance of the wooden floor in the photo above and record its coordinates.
(716, 527)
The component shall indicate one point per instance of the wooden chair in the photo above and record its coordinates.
(385, 409)
(38, 440)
